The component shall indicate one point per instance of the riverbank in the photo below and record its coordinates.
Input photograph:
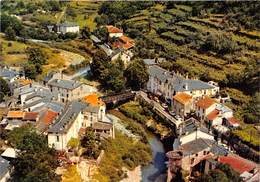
(156, 169)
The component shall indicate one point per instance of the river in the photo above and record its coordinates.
(155, 171)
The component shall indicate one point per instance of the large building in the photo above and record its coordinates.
(66, 90)
(67, 126)
(90, 112)
(168, 84)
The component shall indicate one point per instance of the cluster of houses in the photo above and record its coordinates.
(59, 108)
(195, 152)
(197, 103)
(119, 46)
(190, 97)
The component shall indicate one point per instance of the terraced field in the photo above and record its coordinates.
(172, 36)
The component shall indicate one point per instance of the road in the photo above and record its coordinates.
(157, 106)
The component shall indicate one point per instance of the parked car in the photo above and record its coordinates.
(172, 113)
(165, 106)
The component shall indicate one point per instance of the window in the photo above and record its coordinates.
(57, 139)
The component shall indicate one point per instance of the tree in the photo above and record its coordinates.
(89, 143)
(4, 89)
(30, 71)
(10, 21)
(10, 33)
(136, 74)
(36, 161)
(36, 56)
(73, 143)
(102, 33)
(114, 78)
(99, 64)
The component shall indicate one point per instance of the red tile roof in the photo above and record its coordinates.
(213, 115)
(183, 98)
(239, 164)
(49, 117)
(205, 102)
(126, 39)
(15, 114)
(233, 121)
(112, 29)
(125, 46)
(30, 116)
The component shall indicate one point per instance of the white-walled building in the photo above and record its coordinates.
(67, 27)
(66, 90)
(67, 126)
(204, 106)
(76, 115)
(168, 84)
(182, 104)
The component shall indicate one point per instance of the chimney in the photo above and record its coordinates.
(185, 86)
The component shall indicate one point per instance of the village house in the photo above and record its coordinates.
(95, 114)
(182, 104)
(67, 27)
(213, 113)
(9, 75)
(76, 115)
(204, 106)
(66, 126)
(66, 90)
(114, 31)
(188, 155)
(168, 84)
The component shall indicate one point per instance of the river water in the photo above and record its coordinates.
(155, 171)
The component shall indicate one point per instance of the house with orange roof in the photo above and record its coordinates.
(204, 106)
(114, 31)
(12, 115)
(96, 109)
(182, 104)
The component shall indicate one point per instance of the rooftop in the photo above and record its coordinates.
(66, 84)
(93, 100)
(233, 121)
(182, 98)
(15, 114)
(67, 117)
(177, 82)
(238, 163)
(113, 29)
(31, 116)
(213, 115)
(24, 82)
(49, 117)
(102, 125)
(126, 39)
(205, 102)
(8, 73)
